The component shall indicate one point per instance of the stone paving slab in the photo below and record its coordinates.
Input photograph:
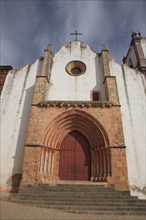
(14, 211)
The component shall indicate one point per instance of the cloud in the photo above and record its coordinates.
(88, 17)
(28, 26)
(102, 21)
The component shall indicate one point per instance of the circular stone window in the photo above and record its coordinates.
(75, 68)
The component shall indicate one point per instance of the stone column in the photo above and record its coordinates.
(47, 61)
(119, 177)
(108, 162)
(46, 162)
(43, 79)
(41, 83)
(98, 165)
(95, 164)
(92, 166)
(42, 160)
(30, 166)
(51, 164)
(109, 81)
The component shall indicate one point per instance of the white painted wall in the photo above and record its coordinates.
(143, 44)
(63, 86)
(132, 95)
(15, 109)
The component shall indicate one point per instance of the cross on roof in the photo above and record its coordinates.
(76, 34)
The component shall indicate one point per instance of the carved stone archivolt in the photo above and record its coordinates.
(91, 129)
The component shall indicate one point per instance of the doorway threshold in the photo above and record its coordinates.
(75, 182)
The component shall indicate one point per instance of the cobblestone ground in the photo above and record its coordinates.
(13, 211)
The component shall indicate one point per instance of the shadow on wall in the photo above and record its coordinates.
(19, 153)
(99, 87)
(14, 182)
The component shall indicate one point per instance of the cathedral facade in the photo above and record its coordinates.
(76, 115)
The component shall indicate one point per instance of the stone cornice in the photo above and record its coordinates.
(45, 104)
(108, 77)
(94, 149)
(41, 76)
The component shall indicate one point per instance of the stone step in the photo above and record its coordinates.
(97, 209)
(77, 197)
(43, 185)
(81, 198)
(89, 184)
(105, 193)
(82, 203)
(70, 188)
(75, 194)
(88, 211)
(127, 214)
(57, 189)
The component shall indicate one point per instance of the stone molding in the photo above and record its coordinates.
(82, 104)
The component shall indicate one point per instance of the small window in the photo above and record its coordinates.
(75, 68)
(95, 96)
(76, 71)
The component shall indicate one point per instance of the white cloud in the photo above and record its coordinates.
(29, 26)
(88, 17)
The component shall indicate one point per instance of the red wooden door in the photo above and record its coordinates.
(74, 157)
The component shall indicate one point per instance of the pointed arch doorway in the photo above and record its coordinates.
(75, 158)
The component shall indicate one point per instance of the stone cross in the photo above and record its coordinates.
(76, 34)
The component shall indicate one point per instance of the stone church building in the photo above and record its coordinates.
(75, 115)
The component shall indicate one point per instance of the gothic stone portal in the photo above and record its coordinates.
(75, 160)
(75, 146)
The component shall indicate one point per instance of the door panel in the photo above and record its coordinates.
(75, 157)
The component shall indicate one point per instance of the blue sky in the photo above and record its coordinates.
(27, 27)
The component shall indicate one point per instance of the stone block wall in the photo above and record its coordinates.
(43, 117)
(3, 73)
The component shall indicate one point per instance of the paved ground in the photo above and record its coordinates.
(13, 211)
